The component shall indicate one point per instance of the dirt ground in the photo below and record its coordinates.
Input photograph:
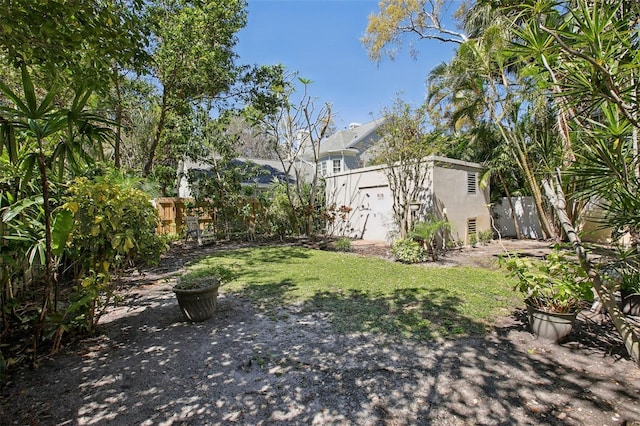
(147, 366)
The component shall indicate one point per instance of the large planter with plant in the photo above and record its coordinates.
(553, 326)
(197, 290)
(198, 299)
(555, 290)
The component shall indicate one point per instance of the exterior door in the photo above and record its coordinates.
(378, 205)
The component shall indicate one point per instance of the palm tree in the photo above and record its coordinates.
(480, 87)
(585, 54)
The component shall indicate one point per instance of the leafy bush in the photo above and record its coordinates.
(485, 236)
(343, 244)
(624, 272)
(114, 227)
(206, 277)
(556, 284)
(427, 233)
(407, 250)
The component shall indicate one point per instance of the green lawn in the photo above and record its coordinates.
(369, 294)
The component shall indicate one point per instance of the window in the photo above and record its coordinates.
(471, 183)
(323, 168)
(337, 166)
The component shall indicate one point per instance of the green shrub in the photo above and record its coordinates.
(206, 276)
(114, 227)
(473, 240)
(343, 244)
(485, 236)
(407, 251)
(556, 284)
(428, 232)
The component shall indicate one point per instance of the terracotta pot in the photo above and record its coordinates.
(197, 304)
(550, 325)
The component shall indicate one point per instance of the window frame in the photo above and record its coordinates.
(335, 161)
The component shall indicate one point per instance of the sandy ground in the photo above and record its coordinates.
(148, 366)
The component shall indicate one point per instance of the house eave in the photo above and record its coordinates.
(351, 152)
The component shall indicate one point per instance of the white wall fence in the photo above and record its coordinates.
(526, 216)
(589, 226)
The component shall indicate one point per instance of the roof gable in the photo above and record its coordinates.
(359, 138)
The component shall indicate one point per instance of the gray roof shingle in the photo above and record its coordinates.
(360, 138)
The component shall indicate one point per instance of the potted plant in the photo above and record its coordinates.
(197, 292)
(625, 274)
(555, 290)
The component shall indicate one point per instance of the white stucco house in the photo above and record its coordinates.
(450, 192)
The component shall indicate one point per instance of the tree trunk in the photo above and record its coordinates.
(629, 335)
(523, 163)
(118, 141)
(148, 167)
(547, 228)
(48, 254)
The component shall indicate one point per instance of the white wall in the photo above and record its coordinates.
(589, 226)
(526, 215)
(367, 192)
(451, 193)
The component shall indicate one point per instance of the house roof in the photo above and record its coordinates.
(357, 138)
(265, 171)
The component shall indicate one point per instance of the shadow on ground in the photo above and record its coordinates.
(324, 362)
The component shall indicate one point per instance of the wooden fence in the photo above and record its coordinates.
(173, 213)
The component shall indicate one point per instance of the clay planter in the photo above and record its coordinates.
(550, 326)
(197, 304)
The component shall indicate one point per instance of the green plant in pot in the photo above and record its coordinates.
(197, 291)
(624, 274)
(555, 289)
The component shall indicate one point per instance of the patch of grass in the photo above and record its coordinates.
(370, 294)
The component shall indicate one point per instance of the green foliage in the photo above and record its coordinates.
(405, 143)
(428, 233)
(473, 239)
(114, 223)
(221, 194)
(194, 63)
(205, 274)
(280, 212)
(343, 244)
(485, 237)
(585, 53)
(624, 272)
(114, 227)
(556, 284)
(42, 142)
(282, 126)
(407, 250)
(70, 36)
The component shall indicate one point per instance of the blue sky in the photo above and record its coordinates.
(321, 40)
